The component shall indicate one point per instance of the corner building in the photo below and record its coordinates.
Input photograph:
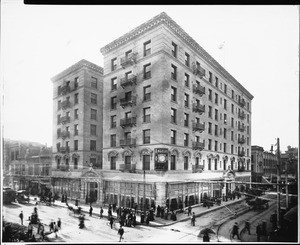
(174, 119)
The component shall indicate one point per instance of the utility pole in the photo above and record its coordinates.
(286, 186)
(278, 189)
(144, 194)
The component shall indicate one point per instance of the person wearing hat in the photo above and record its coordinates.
(121, 232)
(235, 231)
(21, 217)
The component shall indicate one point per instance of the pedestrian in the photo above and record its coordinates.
(101, 213)
(142, 217)
(247, 226)
(189, 210)
(273, 220)
(51, 226)
(91, 210)
(41, 230)
(21, 217)
(55, 229)
(121, 232)
(59, 223)
(206, 237)
(30, 228)
(258, 232)
(76, 202)
(193, 219)
(111, 221)
(235, 231)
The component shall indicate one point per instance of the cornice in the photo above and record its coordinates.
(163, 18)
(79, 64)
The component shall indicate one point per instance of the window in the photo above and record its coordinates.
(146, 162)
(225, 133)
(128, 53)
(216, 130)
(187, 59)
(232, 94)
(248, 118)
(173, 94)
(216, 164)
(186, 119)
(248, 105)
(114, 83)
(147, 93)
(186, 162)
(147, 48)
(146, 115)
(173, 162)
(231, 149)
(58, 119)
(113, 140)
(224, 147)
(209, 144)
(113, 103)
(93, 129)
(76, 129)
(147, 71)
(225, 104)
(209, 164)
(127, 160)
(76, 98)
(93, 114)
(113, 64)
(59, 105)
(146, 136)
(248, 129)
(209, 127)
(210, 77)
(113, 121)
(247, 140)
(75, 145)
(232, 122)
(94, 82)
(216, 98)
(76, 113)
(210, 94)
(216, 114)
(186, 140)
(93, 145)
(173, 115)
(127, 136)
(209, 111)
(216, 145)
(173, 137)
(187, 80)
(231, 137)
(94, 98)
(174, 72)
(225, 88)
(217, 82)
(174, 49)
(113, 161)
(186, 100)
(225, 118)
(59, 90)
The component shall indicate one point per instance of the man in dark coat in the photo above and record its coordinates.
(258, 232)
(91, 210)
(111, 221)
(235, 231)
(21, 217)
(189, 210)
(101, 213)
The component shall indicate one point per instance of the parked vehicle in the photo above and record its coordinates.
(22, 196)
(9, 195)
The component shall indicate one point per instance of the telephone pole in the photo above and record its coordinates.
(278, 185)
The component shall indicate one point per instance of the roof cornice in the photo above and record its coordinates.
(76, 66)
(163, 18)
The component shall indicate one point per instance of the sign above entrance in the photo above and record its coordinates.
(161, 159)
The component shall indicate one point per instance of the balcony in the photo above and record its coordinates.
(129, 60)
(241, 140)
(127, 167)
(128, 122)
(65, 134)
(128, 81)
(198, 108)
(65, 119)
(128, 142)
(65, 104)
(65, 89)
(241, 115)
(64, 167)
(124, 102)
(242, 102)
(241, 153)
(198, 89)
(199, 71)
(241, 128)
(198, 127)
(197, 168)
(64, 149)
(198, 146)
(241, 168)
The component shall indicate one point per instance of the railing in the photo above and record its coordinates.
(65, 134)
(65, 104)
(198, 108)
(64, 167)
(241, 153)
(129, 59)
(64, 149)
(128, 142)
(242, 102)
(198, 146)
(241, 168)
(65, 89)
(65, 119)
(197, 168)
(128, 81)
(198, 126)
(128, 122)
(241, 115)
(127, 167)
(124, 102)
(241, 140)
(199, 71)
(241, 128)
(198, 89)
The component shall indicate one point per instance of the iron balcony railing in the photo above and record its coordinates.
(197, 168)
(198, 89)
(129, 59)
(64, 149)
(198, 127)
(241, 115)
(241, 140)
(65, 119)
(199, 71)
(241, 153)
(128, 81)
(198, 145)
(241, 128)
(65, 104)
(198, 108)
(64, 167)
(128, 122)
(65, 89)
(127, 167)
(128, 142)
(242, 102)
(65, 134)
(124, 102)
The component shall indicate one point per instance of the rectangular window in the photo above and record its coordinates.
(216, 98)
(147, 48)
(186, 100)
(76, 98)
(173, 137)
(59, 105)
(186, 140)
(209, 111)
(75, 145)
(147, 71)
(173, 162)
(216, 130)
(114, 83)
(224, 147)
(216, 114)
(173, 94)
(225, 118)
(93, 145)
(113, 64)
(210, 77)
(58, 119)
(232, 108)
(225, 88)
(59, 90)
(76, 113)
(174, 72)
(210, 94)
(93, 129)
(113, 161)
(231, 137)
(113, 140)
(76, 129)
(217, 82)
(174, 49)
(187, 59)
(186, 119)
(93, 114)
(216, 164)
(94, 99)
(76, 81)
(113, 103)
(225, 133)
(225, 104)
(146, 162)
(94, 82)
(146, 136)
(209, 127)
(187, 80)
(173, 115)
(147, 93)
(186, 162)
(209, 144)
(113, 121)
(146, 115)
(232, 94)
(216, 145)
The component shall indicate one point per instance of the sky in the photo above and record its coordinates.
(261, 50)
